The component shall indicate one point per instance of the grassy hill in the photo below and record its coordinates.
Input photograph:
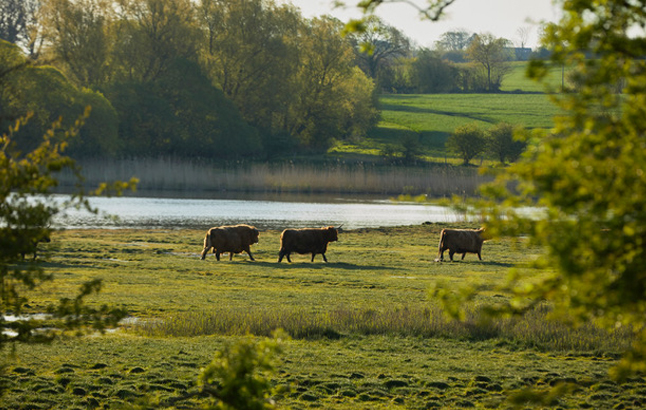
(431, 118)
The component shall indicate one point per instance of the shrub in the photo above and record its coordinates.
(467, 141)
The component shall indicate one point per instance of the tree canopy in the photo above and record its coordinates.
(261, 57)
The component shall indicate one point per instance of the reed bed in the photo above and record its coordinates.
(286, 177)
(535, 329)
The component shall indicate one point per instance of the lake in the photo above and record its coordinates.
(278, 212)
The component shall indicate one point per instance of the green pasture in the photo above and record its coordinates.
(365, 332)
(517, 81)
(431, 118)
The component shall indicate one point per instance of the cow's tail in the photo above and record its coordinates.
(207, 244)
(440, 246)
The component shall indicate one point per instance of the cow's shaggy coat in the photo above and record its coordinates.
(460, 241)
(232, 239)
(307, 240)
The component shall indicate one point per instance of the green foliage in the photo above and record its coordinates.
(332, 98)
(181, 114)
(467, 141)
(588, 174)
(238, 376)
(26, 212)
(433, 75)
(505, 142)
(45, 92)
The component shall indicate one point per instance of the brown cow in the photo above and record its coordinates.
(232, 239)
(307, 240)
(460, 241)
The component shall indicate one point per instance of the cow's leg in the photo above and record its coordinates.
(324, 258)
(451, 253)
(288, 258)
(463, 255)
(441, 258)
(479, 257)
(230, 256)
(313, 256)
(217, 255)
(250, 255)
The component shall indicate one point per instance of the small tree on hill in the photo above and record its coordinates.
(491, 54)
(467, 141)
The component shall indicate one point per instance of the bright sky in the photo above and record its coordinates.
(502, 18)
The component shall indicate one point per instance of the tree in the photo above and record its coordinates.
(452, 45)
(13, 20)
(180, 114)
(589, 175)
(493, 55)
(378, 47)
(250, 51)
(432, 74)
(47, 94)
(80, 35)
(26, 212)
(502, 143)
(523, 35)
(331, 93)
(151, 35)
(467, 141)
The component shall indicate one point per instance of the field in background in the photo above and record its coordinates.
(366, 332)
(431, 118)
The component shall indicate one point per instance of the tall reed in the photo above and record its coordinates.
(535, 329)
(285, 177)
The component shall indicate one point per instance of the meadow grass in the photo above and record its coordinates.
(517, 81)
(366, 333)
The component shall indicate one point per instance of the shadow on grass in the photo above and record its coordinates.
(420, 110)
(300, 264)
(485, 262)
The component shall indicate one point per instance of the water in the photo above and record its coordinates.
(202, 213)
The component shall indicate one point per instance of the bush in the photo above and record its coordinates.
(502, 144)
(467, 141)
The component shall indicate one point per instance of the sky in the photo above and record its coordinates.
(502, 18)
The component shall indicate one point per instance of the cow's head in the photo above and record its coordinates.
(331, 234)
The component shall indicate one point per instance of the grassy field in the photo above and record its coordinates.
(431, 118)
(366, 333)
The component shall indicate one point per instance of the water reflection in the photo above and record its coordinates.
(264, 213)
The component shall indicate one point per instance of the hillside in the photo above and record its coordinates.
(431, 118)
